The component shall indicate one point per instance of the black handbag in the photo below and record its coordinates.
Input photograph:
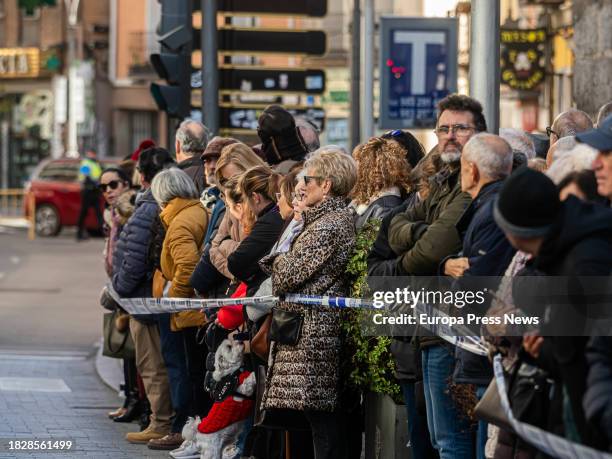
(286, 327)
(275, 418)
(118, 345)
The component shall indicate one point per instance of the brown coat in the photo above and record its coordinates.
(185, 221)
(226, 241)
(306, 376)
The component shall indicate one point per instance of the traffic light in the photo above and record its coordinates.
(173, 63)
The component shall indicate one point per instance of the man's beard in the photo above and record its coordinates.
(452, 154)
(211, 180)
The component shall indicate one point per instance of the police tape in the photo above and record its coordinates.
(454, 334)
(547, 442)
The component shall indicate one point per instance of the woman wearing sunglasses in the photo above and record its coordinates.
(305, 360)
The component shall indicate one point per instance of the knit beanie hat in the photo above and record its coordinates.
(280, 138)
(214, 147)
(527, 205)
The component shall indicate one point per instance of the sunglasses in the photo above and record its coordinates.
(309, 178)
(549, 131)
(394, 133)
(113, 184)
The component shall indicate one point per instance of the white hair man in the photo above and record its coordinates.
(523, 148)
(570, 122)
(191, 140)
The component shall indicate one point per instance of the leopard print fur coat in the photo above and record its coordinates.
(306, 376)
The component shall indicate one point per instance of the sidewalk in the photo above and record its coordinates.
(57, 394)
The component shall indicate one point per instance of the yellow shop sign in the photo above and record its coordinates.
(19, 62)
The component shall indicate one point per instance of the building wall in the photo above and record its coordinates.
(593, 52)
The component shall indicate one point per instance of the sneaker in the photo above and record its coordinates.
(167, 442)
(186, 451)
(145, 436)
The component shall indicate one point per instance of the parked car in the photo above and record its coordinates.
(57, 193)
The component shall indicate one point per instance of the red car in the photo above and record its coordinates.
(57, 193)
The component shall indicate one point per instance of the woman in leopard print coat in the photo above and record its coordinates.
(305, 377)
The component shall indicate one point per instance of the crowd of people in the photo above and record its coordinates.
(283, 217)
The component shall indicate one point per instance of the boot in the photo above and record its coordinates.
(133, 409)
(120, 411)
(145, 417)
(145, 436)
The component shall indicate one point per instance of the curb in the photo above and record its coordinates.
(109, 370)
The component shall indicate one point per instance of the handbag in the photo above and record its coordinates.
(275, 418)
(489, 408)
(260, 343)
(286, 327)
(118, 345)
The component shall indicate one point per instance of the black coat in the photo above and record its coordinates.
(132, 267)
(378, 209)
(598, 398)
(580, 244)
(489, 253)
(194, 167)
(243, 263)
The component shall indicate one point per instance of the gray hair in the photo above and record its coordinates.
(192, 137)
(578, 158)
(491, 153)
(309, 133)
(572, 122)
(604, 112)
(519, 141)
(172, 183)
(334, 164)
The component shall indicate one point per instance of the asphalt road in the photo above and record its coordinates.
(49, 291)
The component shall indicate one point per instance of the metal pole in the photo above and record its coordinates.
(72, 150)
(368, 72)
(484, 59)
(210, 73)
(355, 112)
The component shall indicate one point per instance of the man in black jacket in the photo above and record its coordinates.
(486, 161)
(191, 141)
(569, 239)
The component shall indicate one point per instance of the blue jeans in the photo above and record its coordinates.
(449, 429)
(481, 433)
(417, 424)
(173, 352)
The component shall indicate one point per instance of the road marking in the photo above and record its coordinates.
(66, 356)
(33, 385)
(15, 260)
(2, 275)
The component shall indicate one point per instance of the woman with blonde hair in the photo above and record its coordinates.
(382, 178)
(304, 372)
(211, 277)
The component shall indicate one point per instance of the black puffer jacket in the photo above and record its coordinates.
(132, 267)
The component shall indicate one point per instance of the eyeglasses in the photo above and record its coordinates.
(549, 131)
(297, 196)
(113, 184)
(308, 178)
(460, 130)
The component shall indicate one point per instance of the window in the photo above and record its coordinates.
(2, 8)
(143, 125)
(60, 171)
(30, 28)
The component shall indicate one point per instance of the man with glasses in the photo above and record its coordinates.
(422, 237)
(570, 122)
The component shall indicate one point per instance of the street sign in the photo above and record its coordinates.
(522, 58)
(418, 68)
(314, 8)
(267, 80)
(255, 41)
(246, 116)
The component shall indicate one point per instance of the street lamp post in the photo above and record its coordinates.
(72, 8)
(484, 59)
